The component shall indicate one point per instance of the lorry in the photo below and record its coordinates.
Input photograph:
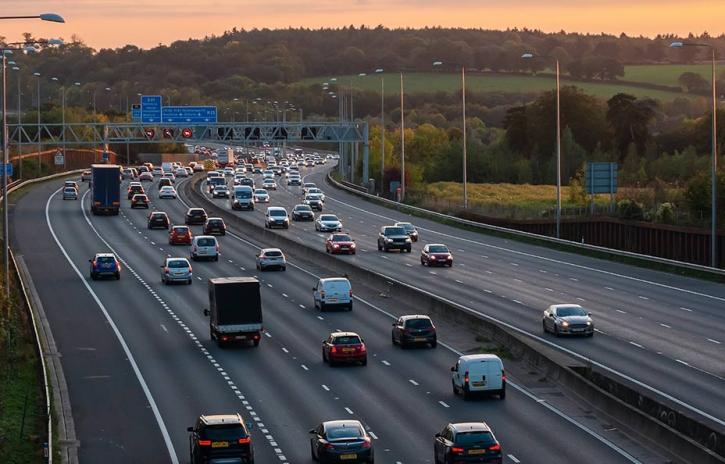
(225, 157)
(167, 167)
(235, 310)
(105, 189)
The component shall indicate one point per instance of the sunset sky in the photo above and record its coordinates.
(114, 23)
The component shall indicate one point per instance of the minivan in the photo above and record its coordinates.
(332, 293)
(479, 373)
(204, 246)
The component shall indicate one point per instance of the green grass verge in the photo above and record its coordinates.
(663, 74)
(451, 82)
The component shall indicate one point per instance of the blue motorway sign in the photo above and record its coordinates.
(150, 108)
(601, 178)
(8, 170)
(136, 112)
(189, 114)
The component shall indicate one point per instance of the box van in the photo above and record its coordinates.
(479, 373)
(333, 292)
(204, 246)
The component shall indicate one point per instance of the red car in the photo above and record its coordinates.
(436, 254)
(340, 243)
(180, 235)
(344, 347)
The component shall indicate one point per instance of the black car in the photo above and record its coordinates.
(158, 219)
(195, 216)
(393, 238)
(302, 213)
(135, 189)
(341, 441)
(215, 226)
(165, 182)
(467, 442)
(247, 181)
(414, 329)
(220, 437)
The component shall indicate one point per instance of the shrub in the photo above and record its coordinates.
(665, 213)
(630, 209)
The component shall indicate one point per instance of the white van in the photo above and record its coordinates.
(333, 292)
(479, 373)
(204, 246)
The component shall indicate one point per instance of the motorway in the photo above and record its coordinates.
(659, 331)
(140, 365)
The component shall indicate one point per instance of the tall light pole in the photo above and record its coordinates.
(402, 142)
(528, 56)
(713, 163)
(52, 17)
(382, 129)
(37, 77)
(20, 157)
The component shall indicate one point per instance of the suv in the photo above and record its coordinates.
(158, 219)
(165, 182)
(105, 264)
(392, 237)
(276, 216)
(467, 442)
(195, 216)
(242, 198)
(220, 438)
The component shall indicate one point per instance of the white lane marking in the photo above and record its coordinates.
(665, 326)
(608, 288)
(487, 290)
(573, 279)
(620, 311)
(164, 327)
(682, 362)
(302, 306)
(121, 340)
(285, 350)
(580, 299)
(444, 404)
(325, 387)
(636, 344)
(459, 281)
(686, 309)
(642, 297)
(285, 295)
(349, 411)
(514, 264)
(385, 362)
(513, 458)
(413, 382)
(304, 367)
(549, 289)
(375, 437)
(713, 341)
(517, 302)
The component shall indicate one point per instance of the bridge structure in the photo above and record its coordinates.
(351, 137)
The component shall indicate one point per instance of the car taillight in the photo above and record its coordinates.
(329, 446)
(457, 450)
(495, 447)
(503, 375)
(204, 442)
(333, 349)
(361, 348)
(350, 293)
(189, 268)
(336, 245)
(465, 377)
(166, 270)
(366, 443)
(217, 248)
(244, 441)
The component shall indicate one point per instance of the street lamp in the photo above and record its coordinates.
(20, 159)
(37, 76)
(402, 142)
(52, 17)
(713, 164)
(382, 128)
(529, 56)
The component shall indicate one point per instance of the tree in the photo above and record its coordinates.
(693, 83)
(628, 120)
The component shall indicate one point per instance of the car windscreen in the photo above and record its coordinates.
(278, 212)
(314, 197)
(341, 238)
(229, 432)
(570, 311)
(215, 222)
(205, 242)
(342, 433)
(243, 194)
(394, 231)
(69, 190)
(438, 249)
(273, 253)
(474, 438)
(196, 212)
(260, 192)
(328, 217)
(418, 323)
(178, 263)
(346, 340)
(158, 216)
(302, 208)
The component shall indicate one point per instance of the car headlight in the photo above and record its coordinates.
(352, 245)
(407, 240)
(589, 322)
(564, 324)
(388, 239)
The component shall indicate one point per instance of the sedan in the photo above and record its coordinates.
(220, 191)
(269, 184)
(134, 189)
(181, 172)
(86, 176)
(341, 441)
(467, 442)
(195, 216)
(140, 200)
(302, 213)
(158, 219)
(436, 254)
(317, 191)
(261, 196)
(344, 347)
(70, 193)
(414, 329)
(340, 243)
(328, 223)
(146, 177)
(409, 229)
(176, 270)
(314, 201)
(167, 192)
(271, 258)
(180, 235)
(568, 319)
(157, 172)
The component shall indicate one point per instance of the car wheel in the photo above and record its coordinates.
(216, 258)
(312, 452)
(543, 326)
(556, 331)
(434, 343)
(256, 342)
(502, 393)
(189, 282)
(284, 268)
(392, 338)
(364, 362)
(408, 249)
(322, 307)
(379, 247)
(450, 264)
(261, 268)
(466, 393)
(93, 276)
(422, 263)
(349, 307)
(590, 334)
(455, 390)
(118, 276)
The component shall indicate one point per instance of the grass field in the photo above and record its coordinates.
(448, 82)
(663, 74)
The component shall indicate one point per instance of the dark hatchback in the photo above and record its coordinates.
(158, 219)
(302, 213)
(467, 442)
(341, 441)
(414, 329)
(220, 438)
(195, 216)
(135, 189)
(215, 226)
(105, 265)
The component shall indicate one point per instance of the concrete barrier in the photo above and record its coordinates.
(679, 438)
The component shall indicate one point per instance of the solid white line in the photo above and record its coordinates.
(513, 458)
(713, 341)
(325, 387)
(121, 340)
(349, 411)
(636, 344)
(413, 382)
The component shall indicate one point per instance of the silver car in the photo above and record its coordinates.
(568, 319)
(328, 223)
(69, 193)
(176, 270)
(271, 258)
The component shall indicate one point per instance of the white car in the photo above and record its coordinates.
(271, 258)
(328, 223)
(268, 174)
(70, 193)
(261, 196)
(276, 216)
(220, 191)
(228, 172)
(317, 191)
(479, 373)
(269, 184)
(167, 192)
(181, 172)
(204, 246)
(157, 172)
(306, 186)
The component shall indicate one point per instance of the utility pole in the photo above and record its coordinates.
(402, 143)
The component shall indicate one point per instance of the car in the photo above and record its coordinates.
(140, 200)
(314, 201)
(157, 172)
(69, 193)
(176, 270)
(393, 238)
(436, 254)
(189, 171)
(220, 191)
(127, 173)
(568, 319)
(228, 171)
(306, 186)
(257, 170)
(269, 184)
(409, 229)
(71, 184)
(242, 198)
(198, 168)
(466, 442)
(271, 258)
(164, 182)
(215, 225)
(158, 219)
(214, 182)
(105, 265)
(220, 438)
(478, 373)
(261, 196)
(276, 216)
(181, 172)
(86, 176)
(302, 213)
(167, 192)
(248, 181)
(170, 176)
(414, 329)
(341, 441)
(315, 190)
(195, 216)
(206, 247)
(268, 174)
(344, 347)
(211, 174)
(134, 189)
(328, 223)
(332, 292)
(294, 180)
(180, 235)
(340, 243)
(146, 177)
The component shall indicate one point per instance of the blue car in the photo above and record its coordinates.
(105, 265)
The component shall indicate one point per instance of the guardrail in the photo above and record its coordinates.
(528, 235)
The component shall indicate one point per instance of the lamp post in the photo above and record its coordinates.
(52, 17)
(402, 142)
(37, 76)
(713, 161)
(382, 128)
(20, 154)
(528, 56)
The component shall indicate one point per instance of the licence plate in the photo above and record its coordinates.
(421, 339)
(577, 330)
(477, 451)
(348, 350)
(240, 337)
(348, 456)
(220, 444)
(481, 383)
(332, 300)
